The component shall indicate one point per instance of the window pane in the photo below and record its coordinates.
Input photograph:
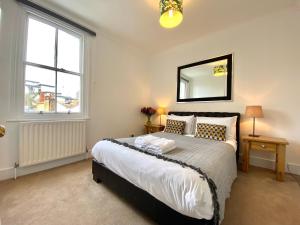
(39, 90)
(68, 93)
(184, 89)
(40, 43)
(68, 52)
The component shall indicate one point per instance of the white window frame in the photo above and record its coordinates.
(186, 83)
(19, 89)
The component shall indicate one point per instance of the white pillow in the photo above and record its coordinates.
(229, 122)
(189, 122)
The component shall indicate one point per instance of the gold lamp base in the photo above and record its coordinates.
(253, 132)
(254, 135)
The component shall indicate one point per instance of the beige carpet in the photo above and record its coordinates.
(68, 196)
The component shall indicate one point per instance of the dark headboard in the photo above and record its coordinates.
(217, 114)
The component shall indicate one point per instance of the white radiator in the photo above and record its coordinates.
(46, 141)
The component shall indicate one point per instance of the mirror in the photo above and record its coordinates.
(208, 80)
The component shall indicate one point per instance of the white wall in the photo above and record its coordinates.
(117, 89)
(266, 57)
(8, 146)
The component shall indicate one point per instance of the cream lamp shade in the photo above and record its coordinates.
(161, 111)
(254, 111)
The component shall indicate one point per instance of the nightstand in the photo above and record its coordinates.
(153, 128)
(276, 146)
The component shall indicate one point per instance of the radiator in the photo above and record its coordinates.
(46, 141)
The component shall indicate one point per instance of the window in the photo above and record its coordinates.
(184, 88)
(53, 68)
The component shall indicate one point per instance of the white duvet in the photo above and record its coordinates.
(179, 188)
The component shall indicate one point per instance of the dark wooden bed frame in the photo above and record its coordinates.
(142, 200)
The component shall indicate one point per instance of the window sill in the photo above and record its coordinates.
(45, 120)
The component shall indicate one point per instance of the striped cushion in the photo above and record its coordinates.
(175, 126)
(211, 131)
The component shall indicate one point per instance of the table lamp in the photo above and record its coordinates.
(254, 111)
(160, 112)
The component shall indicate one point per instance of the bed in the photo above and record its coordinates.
(116, 163)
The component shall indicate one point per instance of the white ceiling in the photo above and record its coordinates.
(137, 20)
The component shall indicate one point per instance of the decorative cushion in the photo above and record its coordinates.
(229, 122)
(189, 122)
(211, 131)
(175, 126)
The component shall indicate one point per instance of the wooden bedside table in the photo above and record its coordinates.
(269, 144)
(153, 128)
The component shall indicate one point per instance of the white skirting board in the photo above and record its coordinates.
(270, 164)
(8, 173)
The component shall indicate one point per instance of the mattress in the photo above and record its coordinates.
(180, 188)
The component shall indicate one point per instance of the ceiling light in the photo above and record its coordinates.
(170, 13)
(220, 70)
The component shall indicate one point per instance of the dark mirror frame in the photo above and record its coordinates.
(229, 80)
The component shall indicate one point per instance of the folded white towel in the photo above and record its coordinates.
(157, 150)
(155, 144)
(144, 140)
(162, 144)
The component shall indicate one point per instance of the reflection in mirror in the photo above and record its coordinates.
(208, 80)
(204, 80)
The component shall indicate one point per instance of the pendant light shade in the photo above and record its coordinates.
(220, 70)
(170, 13)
